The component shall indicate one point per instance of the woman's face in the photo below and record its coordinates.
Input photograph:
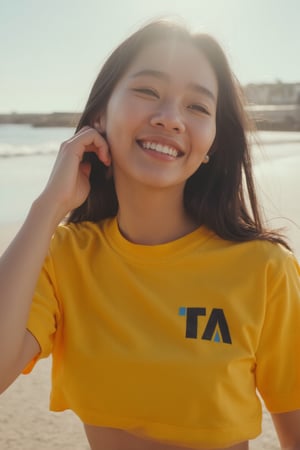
(160, 121)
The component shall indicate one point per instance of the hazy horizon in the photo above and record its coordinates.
(52, 51)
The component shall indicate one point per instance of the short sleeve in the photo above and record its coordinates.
(278, 353)
(44, 313)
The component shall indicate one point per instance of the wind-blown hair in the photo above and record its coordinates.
(220, 194)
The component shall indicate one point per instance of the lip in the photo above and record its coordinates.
(163, 141)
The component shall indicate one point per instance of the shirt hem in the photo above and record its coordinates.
(169, 433)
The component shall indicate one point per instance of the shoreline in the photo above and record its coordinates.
(55, 119)
(262, 118)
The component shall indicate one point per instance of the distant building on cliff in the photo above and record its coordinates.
(273, 94)
(274, 106)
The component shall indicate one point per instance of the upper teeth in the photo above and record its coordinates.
(161, 148)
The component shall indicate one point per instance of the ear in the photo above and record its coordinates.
(213, 147)
(100, 123)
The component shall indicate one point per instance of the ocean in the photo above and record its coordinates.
(27, 155)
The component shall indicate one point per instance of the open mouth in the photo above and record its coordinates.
(163, 149)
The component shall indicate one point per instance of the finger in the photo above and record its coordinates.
(80, 131)
(85, 168)
(90, 140)
(102, 149)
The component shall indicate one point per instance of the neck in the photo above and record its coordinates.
(151, 217)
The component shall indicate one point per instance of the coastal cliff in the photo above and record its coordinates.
(265, 117)
(56, 119)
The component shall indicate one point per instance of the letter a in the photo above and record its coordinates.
(217, 318)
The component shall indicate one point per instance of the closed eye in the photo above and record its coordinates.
(199, 108)
(147, 91)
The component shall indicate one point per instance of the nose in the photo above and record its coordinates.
(168, 117)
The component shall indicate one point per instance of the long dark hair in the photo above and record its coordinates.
(220, 194)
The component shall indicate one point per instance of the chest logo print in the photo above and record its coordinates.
(216, 327)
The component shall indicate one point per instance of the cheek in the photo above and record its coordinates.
(205, 134)
(121, 118)
(212, 134)
(119, 132)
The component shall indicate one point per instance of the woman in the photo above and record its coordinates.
(164, 301)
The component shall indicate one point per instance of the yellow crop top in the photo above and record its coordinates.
(169, 341)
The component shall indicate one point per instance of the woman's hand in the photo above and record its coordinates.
(68, 185)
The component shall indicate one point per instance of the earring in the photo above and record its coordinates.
(206, 159)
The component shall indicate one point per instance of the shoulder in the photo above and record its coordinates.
(276, 256)
(77, 236)
(265, 252)
(279, 267)
(276, 259)
(257, 256)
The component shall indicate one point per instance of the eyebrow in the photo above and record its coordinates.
(165, 77)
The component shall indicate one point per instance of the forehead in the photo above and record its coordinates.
(181, 61)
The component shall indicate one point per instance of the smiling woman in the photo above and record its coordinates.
(166, 126)
(156, 342)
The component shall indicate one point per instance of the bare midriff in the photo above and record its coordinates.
(102, 438)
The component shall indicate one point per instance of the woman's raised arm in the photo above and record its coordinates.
(21, 263)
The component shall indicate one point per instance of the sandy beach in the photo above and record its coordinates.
(25, 421)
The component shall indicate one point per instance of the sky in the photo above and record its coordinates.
(51, 51)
